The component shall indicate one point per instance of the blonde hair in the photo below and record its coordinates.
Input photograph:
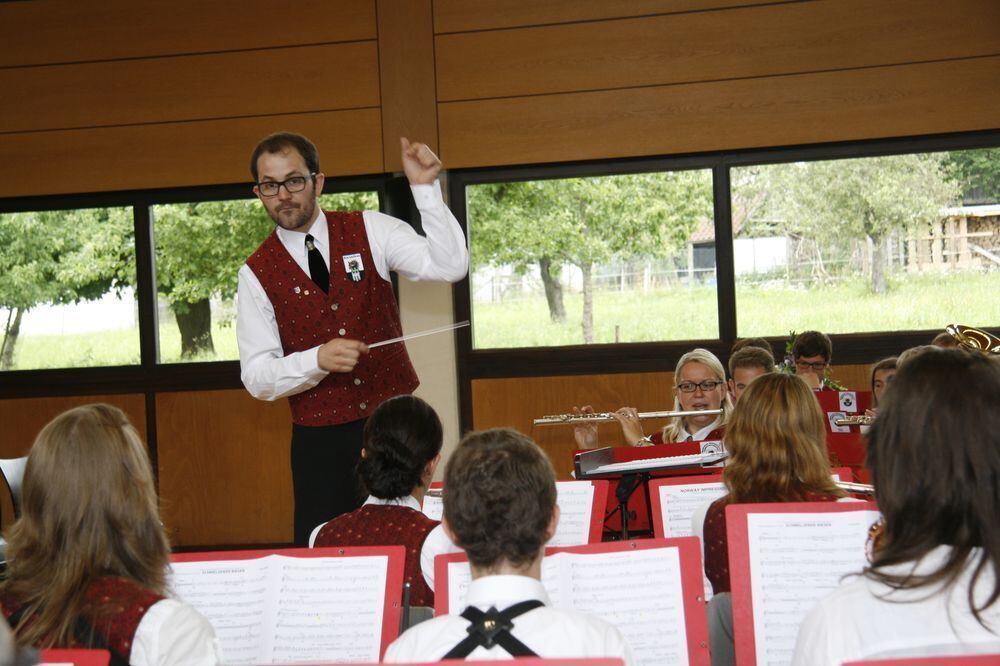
(777, 444)
(710, 361)
(89, 509)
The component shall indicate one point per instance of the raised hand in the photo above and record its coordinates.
(628, 419)
(341, 354)
(420, 164)
(585, 434)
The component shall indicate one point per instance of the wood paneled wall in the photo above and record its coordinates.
(515, 403)
(577, 81)
(122, 95)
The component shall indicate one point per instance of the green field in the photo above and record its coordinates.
(916, 303)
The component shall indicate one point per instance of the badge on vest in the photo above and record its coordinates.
(354, 266)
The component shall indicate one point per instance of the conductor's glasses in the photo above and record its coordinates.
(270, 188)
(706, 386)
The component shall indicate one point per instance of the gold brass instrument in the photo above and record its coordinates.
(859, 488)
(855, 420)
(600, 417)
(974, 338)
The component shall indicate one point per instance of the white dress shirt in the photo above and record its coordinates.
(173, 633)
(408, 501)
(266, 371)
(865, 619)
(698, 435)
(547, 631)
(436, 543)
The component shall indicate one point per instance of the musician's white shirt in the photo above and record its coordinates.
(698, 435)
(547, 631)
(865, 619)
(442, 255)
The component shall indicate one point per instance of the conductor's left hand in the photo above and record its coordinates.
(420, 164)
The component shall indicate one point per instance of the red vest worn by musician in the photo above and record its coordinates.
(359, 306)
(112, 607)
(381, 525)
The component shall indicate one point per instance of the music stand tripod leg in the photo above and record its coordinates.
(626, 486)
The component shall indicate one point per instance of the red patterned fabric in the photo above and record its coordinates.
(113, 607)
(364, 310)
(717, 545)
(718, 433)
(380, 525)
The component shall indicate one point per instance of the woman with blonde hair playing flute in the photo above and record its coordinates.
(699, 385)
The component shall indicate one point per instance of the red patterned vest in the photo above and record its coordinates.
(363, 309)
(379, 525)
(112, 606)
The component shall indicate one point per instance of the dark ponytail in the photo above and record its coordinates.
(402, 435)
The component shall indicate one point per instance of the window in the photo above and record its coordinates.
(67, 289)
(886, 243)
(598, 259)
(200, 247)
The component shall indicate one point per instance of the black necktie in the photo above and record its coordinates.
(317, 267)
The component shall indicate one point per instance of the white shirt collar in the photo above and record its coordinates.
(408, 501)
(699, 435)
(295, 241)
(503, 591)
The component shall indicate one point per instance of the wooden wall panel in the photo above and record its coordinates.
(515, 402)
(787, 110)
(51, 31)
(23, 418)
(219, 85)
(406, 72)
(178, 154)
(225, 476)
(462, 15)
(704, 46)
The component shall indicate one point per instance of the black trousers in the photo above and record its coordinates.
(325, 478)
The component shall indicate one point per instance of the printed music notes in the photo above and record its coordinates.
(281, 609)
(649, 590)
(783, 558)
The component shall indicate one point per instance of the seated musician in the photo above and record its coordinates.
(882, 375)
(812, 352)
(87, 560)
(699, 384)
(760, 343)
(745, 365)
(933, 585)
(776, 440)
(400, 451)
(944, 339)
(500, 506)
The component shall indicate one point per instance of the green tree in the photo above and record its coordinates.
(585, 222)
(200, 248)
(59, 257)
(830, 203)
(976, 169)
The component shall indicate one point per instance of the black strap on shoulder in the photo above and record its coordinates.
(493, 628)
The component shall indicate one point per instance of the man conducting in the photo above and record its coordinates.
(315, 294)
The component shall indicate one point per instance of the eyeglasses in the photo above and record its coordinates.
(817, 366)
(706, 386)
(270, 188)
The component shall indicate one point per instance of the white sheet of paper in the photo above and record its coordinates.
(638, 591)
(279, 609)
(576, 504)
(795, 560)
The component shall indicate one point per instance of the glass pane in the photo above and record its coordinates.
(66, 289)
(200, 247)
(628, 258)
(903, 242)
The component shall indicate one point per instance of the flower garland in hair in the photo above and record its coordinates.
(787, 366)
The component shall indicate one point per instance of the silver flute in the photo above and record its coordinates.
(859, 488)
(600, 417)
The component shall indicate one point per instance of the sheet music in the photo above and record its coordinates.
(651, 464)
(795, 560)
(576, 506)
(638, 591)
(433, 506)
(279, 609)
(677, 506)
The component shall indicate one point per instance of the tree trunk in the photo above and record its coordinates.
(553, 291)
(195, 324)
(879, 283)
(11, 331)
(588, 304)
